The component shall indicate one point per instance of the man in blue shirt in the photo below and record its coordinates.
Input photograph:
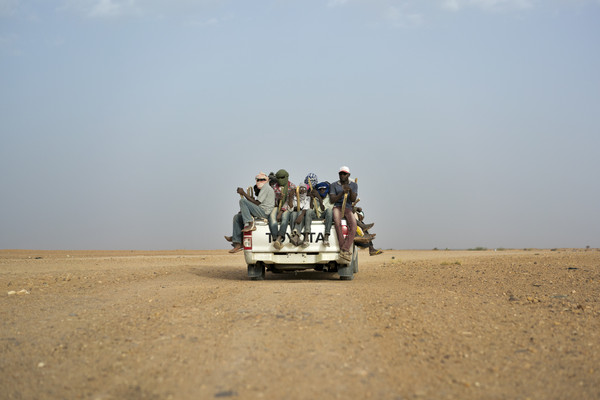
(339, 189)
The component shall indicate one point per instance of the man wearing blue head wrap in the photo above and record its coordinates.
(322, 188)
(321, 210)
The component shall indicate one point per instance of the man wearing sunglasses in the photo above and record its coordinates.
(260, 207)
(336, 195)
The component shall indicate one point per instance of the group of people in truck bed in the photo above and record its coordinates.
(280, 202)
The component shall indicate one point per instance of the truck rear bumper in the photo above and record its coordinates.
(291, 259)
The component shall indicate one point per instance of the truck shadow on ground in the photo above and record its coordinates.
(234, 273)
(230, 273)
(307, 275)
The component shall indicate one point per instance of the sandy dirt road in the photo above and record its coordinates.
(190, 325)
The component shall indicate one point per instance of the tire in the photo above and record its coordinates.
(355, 260)
(346, 272)
(256, 272)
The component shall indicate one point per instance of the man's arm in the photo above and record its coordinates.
(314, 194)
(346, 188)
(243, 193)
(353, 193)
(300, 216)
(335, 197)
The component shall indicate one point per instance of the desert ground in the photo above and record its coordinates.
(511, 324)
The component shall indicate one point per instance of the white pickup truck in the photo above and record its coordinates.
(261, 255)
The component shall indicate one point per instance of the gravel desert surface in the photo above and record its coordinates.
(511, 324)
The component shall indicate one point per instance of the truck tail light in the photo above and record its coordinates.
(344, 229)
(247, 240)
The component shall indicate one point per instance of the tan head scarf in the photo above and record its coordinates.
(261, 175)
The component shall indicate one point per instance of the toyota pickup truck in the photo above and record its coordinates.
(261, 255)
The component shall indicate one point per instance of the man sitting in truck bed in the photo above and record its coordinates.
(298, 218)
(342, 194)
(366, 240)
(324, 209)
(280, 214)
(250, 208)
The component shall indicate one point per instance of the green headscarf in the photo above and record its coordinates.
(283, 182)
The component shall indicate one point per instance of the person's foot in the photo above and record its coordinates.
(362, 239)
(229, 238)
(326, 240)
(345, 255)
(278, 244)
(375, 252)
(249, 227)
(365, 227)
(237, 247)
(304, 243)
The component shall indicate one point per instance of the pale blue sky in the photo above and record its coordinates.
(130, 124)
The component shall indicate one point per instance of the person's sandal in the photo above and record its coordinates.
(362, 239)
(376, 252)
(345, 255)
(238, 247)
(249, 227)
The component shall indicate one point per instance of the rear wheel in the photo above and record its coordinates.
(256, 272)
(354, 263)
(346, 272)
